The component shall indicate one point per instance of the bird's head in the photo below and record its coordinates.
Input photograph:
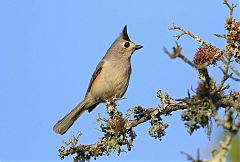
(123, 47)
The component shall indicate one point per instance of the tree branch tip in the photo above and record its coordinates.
(172, 27)
(220, 35)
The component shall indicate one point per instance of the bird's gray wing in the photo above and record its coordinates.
(94, 75)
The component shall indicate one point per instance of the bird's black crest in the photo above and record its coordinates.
(125, 34)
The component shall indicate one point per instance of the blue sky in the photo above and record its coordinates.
(49, 49)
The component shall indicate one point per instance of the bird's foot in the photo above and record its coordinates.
(117, 98)
(113, 99)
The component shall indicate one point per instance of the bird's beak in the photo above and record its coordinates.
(137, 47)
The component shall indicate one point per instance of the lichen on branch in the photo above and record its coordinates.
(118, 133)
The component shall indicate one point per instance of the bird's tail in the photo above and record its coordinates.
(67, 121)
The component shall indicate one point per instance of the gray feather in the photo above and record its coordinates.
(67, 121)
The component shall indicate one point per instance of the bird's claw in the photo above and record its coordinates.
(116, 99)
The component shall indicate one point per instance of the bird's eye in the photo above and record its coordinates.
(126, 45)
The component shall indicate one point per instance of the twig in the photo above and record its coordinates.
(220, 36)
(197, 38)
(220, 154)
(177, 52)
(230, 75)
(230, 7)
(191, 158)
(231, 67)
(225, 75)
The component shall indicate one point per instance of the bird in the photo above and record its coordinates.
(110, 80)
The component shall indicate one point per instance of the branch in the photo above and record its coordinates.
(174, 27)
(177, 52)
(220, 35)
(220, 154)
(225, 76)
(230, 66)
(231, 123)
(118, 130)
(230, 7)
(230, 75)
(199, 58)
